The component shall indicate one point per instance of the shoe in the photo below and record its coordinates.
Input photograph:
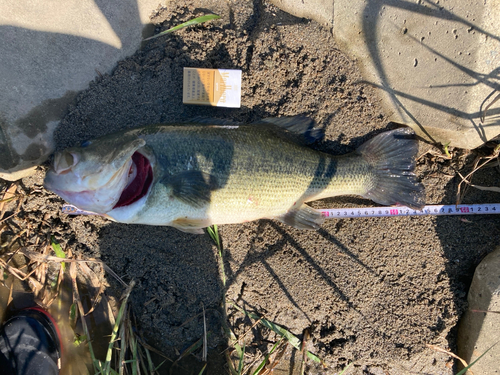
(30, 344)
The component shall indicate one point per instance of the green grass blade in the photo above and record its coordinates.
(478, 358)
(203, 369)
(116, 327)
(234, 342)
(213, 232)
(242, 361)
(135, 363)
(292, 339)
(72, 315)
(315, 358)
(79, 340)
(263, 363)
(6, 200)
(232, 337)
(346, 368)
(192, 348)
(98, 365)
(146, 364)
(150, 361)
(114, 336)
(161, 364)
(123, 347)
(58, 250)
(194, 21)
(229, 361)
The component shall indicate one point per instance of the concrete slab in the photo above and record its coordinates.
(478, 331)
(436, 64)
(50, 51)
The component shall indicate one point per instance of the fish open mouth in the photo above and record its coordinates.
(139, 186)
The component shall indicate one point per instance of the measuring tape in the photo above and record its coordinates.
(435, 210)
(341, 213)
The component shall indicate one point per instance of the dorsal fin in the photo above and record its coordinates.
(301, 129)
(212, 121)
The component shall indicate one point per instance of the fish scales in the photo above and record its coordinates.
(282, 172)
(202, 175)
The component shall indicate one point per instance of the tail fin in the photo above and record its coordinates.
(392, 156)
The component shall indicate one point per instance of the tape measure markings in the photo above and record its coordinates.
(433, 210)
(386, 211)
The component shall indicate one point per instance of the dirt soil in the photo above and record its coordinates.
(370, 290)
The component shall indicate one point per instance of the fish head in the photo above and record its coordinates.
(94, 176)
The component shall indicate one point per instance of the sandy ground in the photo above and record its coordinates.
(374, 290)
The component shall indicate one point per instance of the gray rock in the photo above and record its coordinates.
(479, 331)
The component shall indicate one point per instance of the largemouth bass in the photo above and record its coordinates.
(190, 176)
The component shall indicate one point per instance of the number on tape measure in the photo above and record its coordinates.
(435, 210)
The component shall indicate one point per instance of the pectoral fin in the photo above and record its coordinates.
(304, 217)
(192, 187)
(192, 226)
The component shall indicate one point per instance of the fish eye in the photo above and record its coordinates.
(85, 143)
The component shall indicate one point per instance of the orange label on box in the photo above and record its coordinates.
(215, 87)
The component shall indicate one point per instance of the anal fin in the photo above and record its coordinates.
(303, 217)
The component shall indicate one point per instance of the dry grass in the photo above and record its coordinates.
(480, 162)
(43, 268)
